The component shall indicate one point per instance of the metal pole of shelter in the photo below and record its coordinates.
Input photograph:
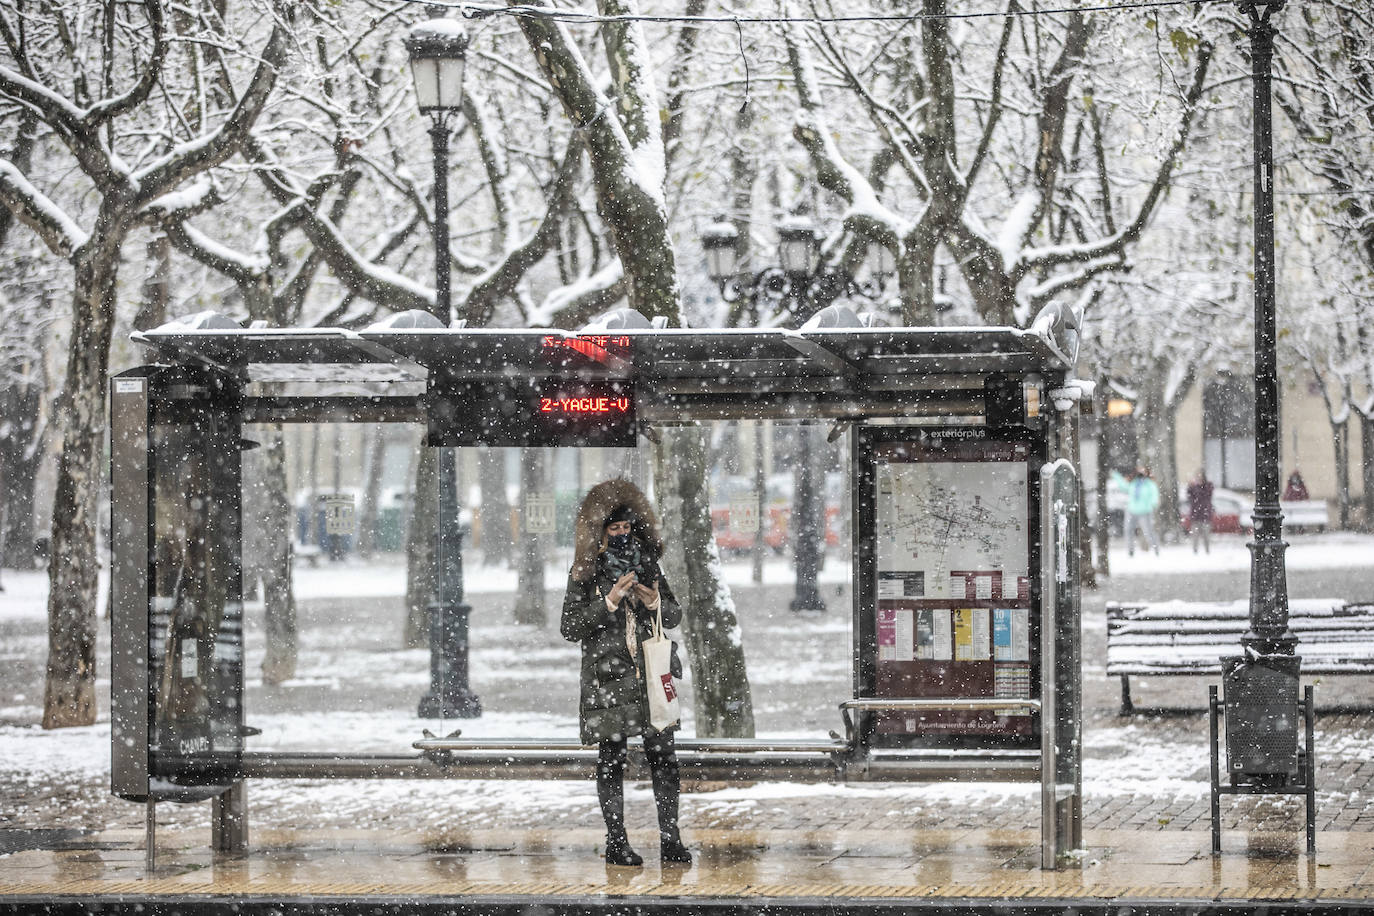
(449, 694)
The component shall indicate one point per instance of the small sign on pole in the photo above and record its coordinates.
(541, 516)
(339, 517)
(744, 514)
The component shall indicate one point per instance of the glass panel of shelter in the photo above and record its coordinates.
(361, 664)
(195, 626)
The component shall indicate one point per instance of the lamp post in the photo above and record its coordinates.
(1269, 632)
(1261, 684)
(437, 49)
(801, 284)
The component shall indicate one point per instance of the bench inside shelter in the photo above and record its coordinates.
(1190, 637)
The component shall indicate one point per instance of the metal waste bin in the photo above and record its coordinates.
(1262, 718)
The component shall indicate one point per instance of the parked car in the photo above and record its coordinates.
(777, 515)
(1231, 512)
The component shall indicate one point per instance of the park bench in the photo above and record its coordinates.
(1305, 514)
(1189, 637)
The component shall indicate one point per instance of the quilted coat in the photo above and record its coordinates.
(613, 701)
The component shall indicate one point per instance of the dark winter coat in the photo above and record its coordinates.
(614, 702)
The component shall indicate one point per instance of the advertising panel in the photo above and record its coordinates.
(951, 608)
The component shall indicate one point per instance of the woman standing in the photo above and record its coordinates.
(615, 591)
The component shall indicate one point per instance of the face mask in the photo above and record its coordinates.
(618, 542)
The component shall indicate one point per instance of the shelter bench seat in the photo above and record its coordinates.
(1190, 637)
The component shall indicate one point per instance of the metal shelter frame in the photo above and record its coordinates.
(222, 376)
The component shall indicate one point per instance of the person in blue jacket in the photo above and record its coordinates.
(1142, 499)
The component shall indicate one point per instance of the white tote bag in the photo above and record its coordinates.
(664, 709)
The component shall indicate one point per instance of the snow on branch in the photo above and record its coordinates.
(834, 172)
(1074, 279)
(57, 230)
(581, 298)
(1053, 256)
(502, 279)
(209, 150)
(46, 103)
(237, 266)
(179, 205)
(152, 69)
(373, 281)
(633, 72)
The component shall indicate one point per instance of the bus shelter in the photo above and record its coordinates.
(965, 517)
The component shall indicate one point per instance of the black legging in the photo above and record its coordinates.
(663, 770)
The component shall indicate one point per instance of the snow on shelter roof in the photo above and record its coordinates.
(688, 367)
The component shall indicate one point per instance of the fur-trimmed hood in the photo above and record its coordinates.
(599, 502)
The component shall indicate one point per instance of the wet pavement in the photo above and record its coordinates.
(1117, 868)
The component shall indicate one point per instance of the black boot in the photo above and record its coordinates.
(618, 851)
(663, 770)
(610, 791)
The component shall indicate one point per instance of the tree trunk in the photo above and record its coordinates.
(1167, 476)
(530, 607)
(761, 428)
(720, 685)
(1340, 444)
(491, 479)
(1367, 469)
(1104, 515)
(21, 452)
(420, 571)
(807, 531)
(157, 291)
(73, 571)
(279, 600)
(372, 487)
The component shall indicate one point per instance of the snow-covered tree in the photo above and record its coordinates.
(93, 75)
(1325, 91)
(981, 135)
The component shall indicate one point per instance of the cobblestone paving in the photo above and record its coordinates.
(1125, 756)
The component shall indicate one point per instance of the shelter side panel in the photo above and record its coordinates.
(952, 611)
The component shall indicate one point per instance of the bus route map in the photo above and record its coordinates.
(947, 525)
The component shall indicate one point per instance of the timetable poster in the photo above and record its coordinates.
(953, 589)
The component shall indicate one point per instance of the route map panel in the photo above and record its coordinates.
(953, 609)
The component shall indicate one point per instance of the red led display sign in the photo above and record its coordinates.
(604, 349)
(584, 406)
(534, 412)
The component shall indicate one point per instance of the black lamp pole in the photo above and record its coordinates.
(437, 49)
(1269, 633)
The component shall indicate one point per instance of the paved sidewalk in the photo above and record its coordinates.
(843, 867)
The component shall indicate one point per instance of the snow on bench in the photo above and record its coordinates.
(1189, 637)
(1304, 514)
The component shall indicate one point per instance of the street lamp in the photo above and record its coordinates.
(1261, 685)
(802, 285)
(438, 50)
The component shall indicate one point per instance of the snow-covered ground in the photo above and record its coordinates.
(1164, 760)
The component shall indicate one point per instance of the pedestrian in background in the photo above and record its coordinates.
(1200, 510)
(1295, 489)
(615, 592)
(1142, 499)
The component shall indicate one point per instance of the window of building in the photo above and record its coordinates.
(1228, 431)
